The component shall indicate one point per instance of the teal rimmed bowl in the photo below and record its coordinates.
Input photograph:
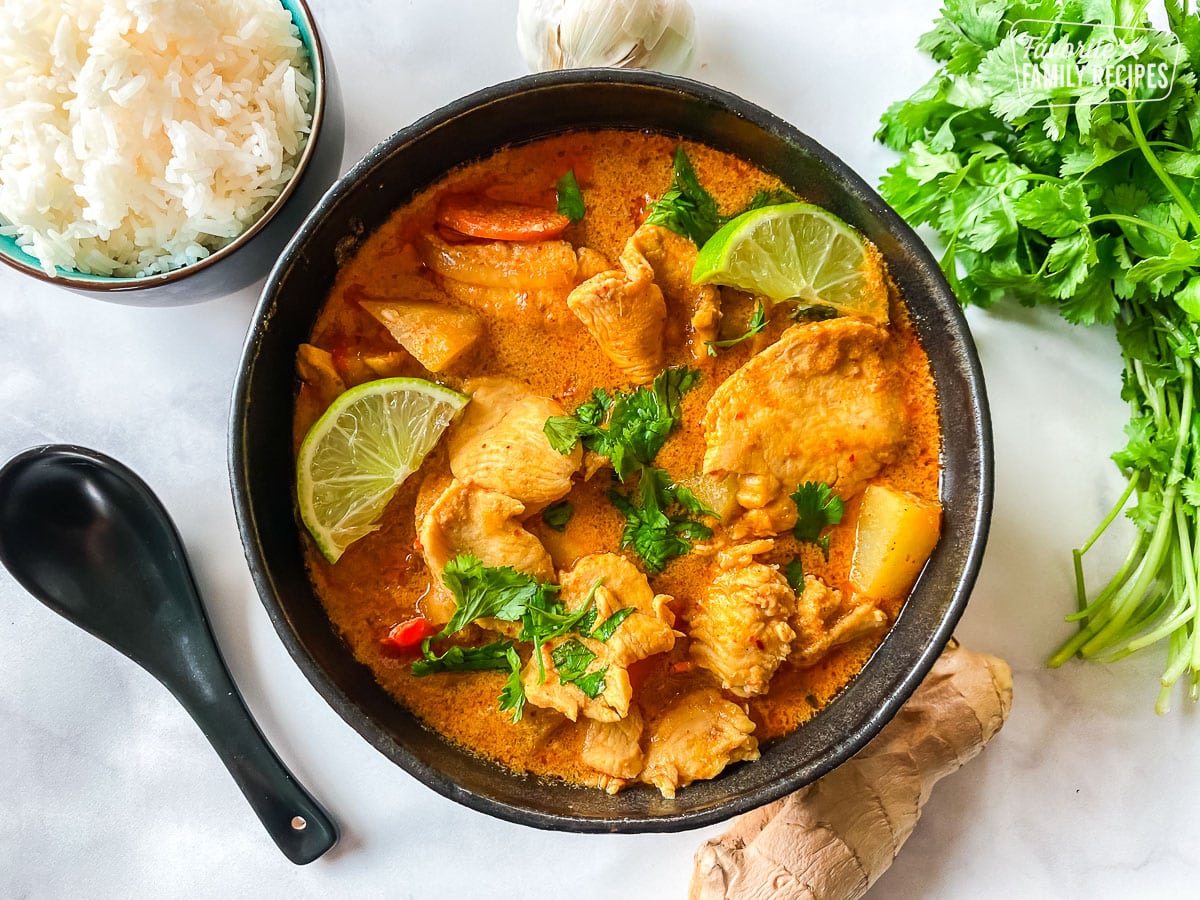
(249, 256)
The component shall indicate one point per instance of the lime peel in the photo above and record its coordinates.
(362, 448)
(797, 251)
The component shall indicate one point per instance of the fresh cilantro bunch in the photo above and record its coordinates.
(1051, 178)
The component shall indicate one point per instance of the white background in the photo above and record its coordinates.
(107, 789)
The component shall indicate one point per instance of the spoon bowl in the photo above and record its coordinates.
(89, 539)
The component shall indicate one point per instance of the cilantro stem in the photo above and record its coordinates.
(1127, 599)
(1156, 165)
(1131, 220)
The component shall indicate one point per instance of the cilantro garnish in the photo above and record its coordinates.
(500, 592)
(570, 198)
(816, 507)
(557, 515)
(1082, 192)
(794, 573)
(638, 422)
(658, 519)
(758, 321)
(688, 209)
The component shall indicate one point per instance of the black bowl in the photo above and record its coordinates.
(472, 128)
(252, 253)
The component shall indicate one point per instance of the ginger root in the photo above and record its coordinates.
(833, 839)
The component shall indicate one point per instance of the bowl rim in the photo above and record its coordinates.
(981, 467)
(75, 280)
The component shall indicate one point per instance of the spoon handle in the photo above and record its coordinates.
(295, 821)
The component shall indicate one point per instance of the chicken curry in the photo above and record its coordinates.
(673, 520)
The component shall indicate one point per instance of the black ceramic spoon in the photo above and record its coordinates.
(88, 538)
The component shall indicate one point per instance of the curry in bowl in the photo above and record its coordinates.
(667, 521)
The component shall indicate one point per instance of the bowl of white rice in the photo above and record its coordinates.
(160, 151)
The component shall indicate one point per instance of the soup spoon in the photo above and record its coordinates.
(88, 538)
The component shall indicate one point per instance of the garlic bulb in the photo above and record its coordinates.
(642, 34)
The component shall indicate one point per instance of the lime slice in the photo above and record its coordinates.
(362, 449)
(797, 251)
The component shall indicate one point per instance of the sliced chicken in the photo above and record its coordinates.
(499, 444)
(672, 257)
(818, 405)
(825, 618)
(591, 263)
(315, 368)
(621, 585)
(695, 738)
(625, 313)
(610, 705)
(470, 519)
(739, 624)
(614, 750)
(647, 631)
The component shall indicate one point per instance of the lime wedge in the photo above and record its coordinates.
(797, 251)
(362, 449)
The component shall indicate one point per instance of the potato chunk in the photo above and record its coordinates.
(436, 334)
(896, 533)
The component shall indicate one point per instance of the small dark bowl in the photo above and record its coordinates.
(261, 427)
(252, 253)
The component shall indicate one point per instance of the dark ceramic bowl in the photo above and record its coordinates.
(252, 253)
(261, 428)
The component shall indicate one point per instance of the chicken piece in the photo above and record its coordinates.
(610, 705)
(435, 332)
(672, 257)
(695, 738)
(625, 313)
(614, 750)
(739, 624)
(591, 263)
(824, 619)
(499, 444)
(387, 365)
(821, 404)
(470, 519)
(315, 368)
(517, 266)
(643, 633)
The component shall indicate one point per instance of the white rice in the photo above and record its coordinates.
(138, 136)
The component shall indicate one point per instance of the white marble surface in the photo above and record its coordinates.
(107, 789)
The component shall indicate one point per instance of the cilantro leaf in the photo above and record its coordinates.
(485, 591)
(571, 661)
(557, 515)
(686, 207)
(816, 507)
(758, 321)
(657, 527)
(593, 683)
(608, 627)
(465, 659)
(512, 695)
(570, 198)
(564, 432)
(794, 573)
(638, 425)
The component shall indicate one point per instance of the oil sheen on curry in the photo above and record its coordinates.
(673, 520)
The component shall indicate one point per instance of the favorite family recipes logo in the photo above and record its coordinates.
(1062, 60)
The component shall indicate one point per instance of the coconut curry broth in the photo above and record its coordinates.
(532, 337)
